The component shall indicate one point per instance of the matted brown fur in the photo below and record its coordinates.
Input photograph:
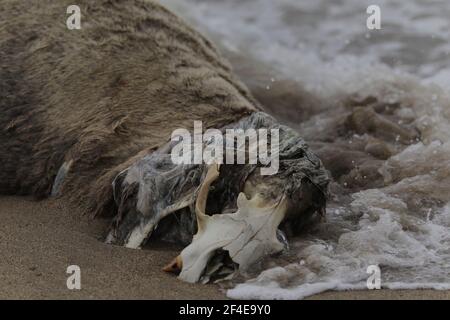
(102, 96)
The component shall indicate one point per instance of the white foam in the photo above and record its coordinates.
(405, 226)
(417, 259)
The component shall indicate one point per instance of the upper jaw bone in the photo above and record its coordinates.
(248, 234)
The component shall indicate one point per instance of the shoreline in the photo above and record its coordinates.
(39, 240)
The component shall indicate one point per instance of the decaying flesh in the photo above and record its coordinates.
(160, 199)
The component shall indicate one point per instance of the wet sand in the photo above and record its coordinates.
(39, 240)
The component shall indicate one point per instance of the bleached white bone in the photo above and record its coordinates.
(248, 235)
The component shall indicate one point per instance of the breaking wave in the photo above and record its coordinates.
(375, 106)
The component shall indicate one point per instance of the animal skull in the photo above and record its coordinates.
(247, 235)
(158, 199)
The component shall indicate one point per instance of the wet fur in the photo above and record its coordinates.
(102, 96)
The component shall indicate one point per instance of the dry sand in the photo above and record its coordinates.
(39, 240)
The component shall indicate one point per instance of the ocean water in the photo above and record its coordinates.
(375, 106)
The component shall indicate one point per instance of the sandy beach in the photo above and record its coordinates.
(38, 240)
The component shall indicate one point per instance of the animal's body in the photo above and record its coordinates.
(101, 97)
(87, 115)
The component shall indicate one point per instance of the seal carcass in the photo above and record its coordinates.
(87, 115)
